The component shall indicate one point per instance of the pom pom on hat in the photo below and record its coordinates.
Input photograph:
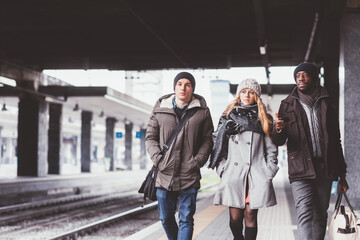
(186, 75)
(249, 83)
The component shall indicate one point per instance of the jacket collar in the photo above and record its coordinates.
(165, 104)
(295, 95)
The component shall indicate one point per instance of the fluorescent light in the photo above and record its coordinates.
(8, 81)
(263, 50)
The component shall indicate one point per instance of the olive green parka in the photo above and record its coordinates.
(180, 167)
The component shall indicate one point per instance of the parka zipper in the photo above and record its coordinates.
(171, 184)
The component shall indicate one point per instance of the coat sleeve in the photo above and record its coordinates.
(220, 167)
(271, 153)
(335, 140)
(206, 142)
(219, 139)
(152, 140)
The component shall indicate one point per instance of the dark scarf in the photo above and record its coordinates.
(309, 99)
(244, 118)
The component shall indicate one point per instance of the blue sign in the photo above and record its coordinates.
(119, 135)
(139, 134)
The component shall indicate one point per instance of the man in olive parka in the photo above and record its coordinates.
(178, 179)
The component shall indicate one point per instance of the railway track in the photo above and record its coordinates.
(75, 217)
(94, 227)
(49, 218)
(17, 213)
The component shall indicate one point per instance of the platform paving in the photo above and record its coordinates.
(274, 223)
(211, 222)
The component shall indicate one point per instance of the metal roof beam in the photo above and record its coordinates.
(260, 22)
(275, 88)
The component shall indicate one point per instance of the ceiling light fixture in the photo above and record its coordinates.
(76, 108)
(263, 49)
(4, 108)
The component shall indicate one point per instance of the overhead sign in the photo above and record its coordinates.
(139, 134)
(119, 134)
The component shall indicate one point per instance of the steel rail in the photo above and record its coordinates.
(73, 234)
(45, 210)
(49, 202)
(96, 225)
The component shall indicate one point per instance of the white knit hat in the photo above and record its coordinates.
(249, 83)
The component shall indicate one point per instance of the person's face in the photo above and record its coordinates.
(304, 82)
(183, 90)
(247, 96)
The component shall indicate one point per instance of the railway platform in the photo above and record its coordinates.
(18, 190)
(211, 222)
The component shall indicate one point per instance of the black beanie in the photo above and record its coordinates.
(309, 68)
(186, 75)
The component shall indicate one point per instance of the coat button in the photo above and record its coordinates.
(235, 163)
(236, 142)
(248, 143)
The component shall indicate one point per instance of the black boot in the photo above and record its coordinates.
(250, 233)
(237, 229)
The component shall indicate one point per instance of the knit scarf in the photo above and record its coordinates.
(309, 99)
(245, 118)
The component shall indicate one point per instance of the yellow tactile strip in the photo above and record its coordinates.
(204, 218)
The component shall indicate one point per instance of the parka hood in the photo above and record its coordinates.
(165, 103)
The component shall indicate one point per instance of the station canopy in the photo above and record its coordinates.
(161, 34)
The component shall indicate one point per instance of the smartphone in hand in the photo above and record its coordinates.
(285, 119)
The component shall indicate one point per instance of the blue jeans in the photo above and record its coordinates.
(312, 201)
(187, 206)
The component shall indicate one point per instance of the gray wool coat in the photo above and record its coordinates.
(252, 159)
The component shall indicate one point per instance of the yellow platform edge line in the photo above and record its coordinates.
(204, 218)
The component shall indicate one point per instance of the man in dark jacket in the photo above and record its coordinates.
(308, 122)
(178, 179)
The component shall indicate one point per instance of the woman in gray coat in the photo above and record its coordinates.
(245, 158)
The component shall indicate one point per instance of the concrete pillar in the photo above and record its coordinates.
(109, 141)
(32, 136)
(330, 45)
(129, 83)
(128, 145)
(55, 124)
(75, 150)
(8, 154)
(12, 153)
(2, 152)
(86, 118)
(350, 33)
(142, 149)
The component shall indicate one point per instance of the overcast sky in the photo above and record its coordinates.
(116, 79)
